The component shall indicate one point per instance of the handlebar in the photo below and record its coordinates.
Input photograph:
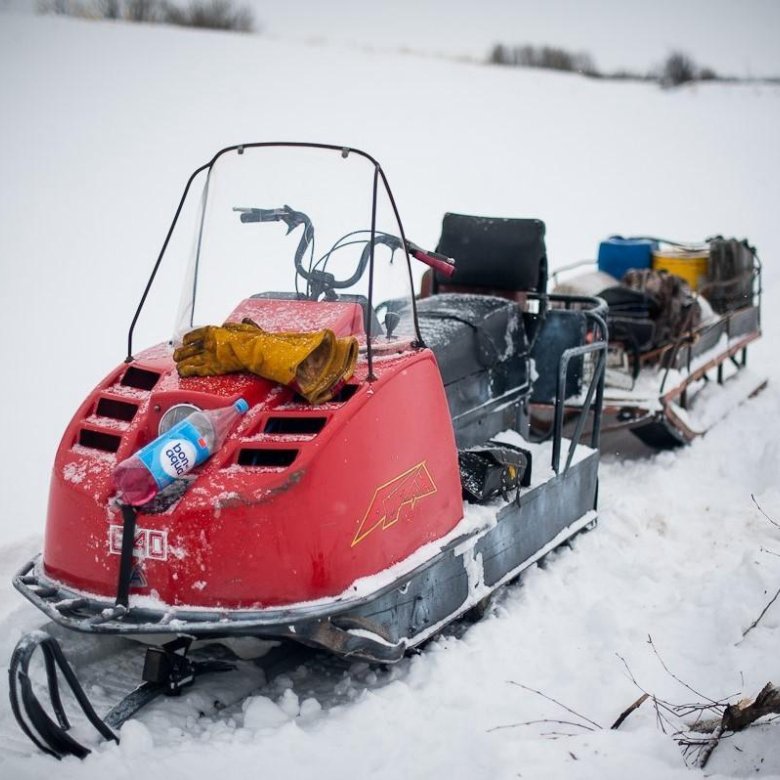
(320, 280)
(292, 219)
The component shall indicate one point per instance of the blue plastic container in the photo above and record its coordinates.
(617, 254)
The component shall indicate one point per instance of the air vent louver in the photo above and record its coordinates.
(344, 394)
(99, 440)
(267, 458)
(140, 378)
(295, 425)
(115, 409)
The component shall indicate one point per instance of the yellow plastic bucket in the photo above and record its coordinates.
(691, 264)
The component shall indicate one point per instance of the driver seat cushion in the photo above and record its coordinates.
(471, 333)
(494, 256)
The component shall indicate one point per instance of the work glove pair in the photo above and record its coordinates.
(315, 365)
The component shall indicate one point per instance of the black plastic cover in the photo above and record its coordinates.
(631, 317)
(562, 329)
(471, 333)
(494, 253)
(731, 273)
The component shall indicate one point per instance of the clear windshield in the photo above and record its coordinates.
(285, 223)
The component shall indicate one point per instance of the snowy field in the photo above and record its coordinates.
(101, 125)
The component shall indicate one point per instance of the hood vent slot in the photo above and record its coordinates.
(267, 458)
(139, 378)
(115, 409)
(310, 425)
(99, 440)
(344, 394)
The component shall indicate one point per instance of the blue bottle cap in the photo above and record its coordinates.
(241, 406)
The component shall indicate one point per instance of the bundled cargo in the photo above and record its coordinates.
(732, 274)
(618, 255)
(679, 316)
(689, 263)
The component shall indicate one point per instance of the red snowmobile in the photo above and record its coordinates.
(338, 525)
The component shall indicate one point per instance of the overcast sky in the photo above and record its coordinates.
(736, 37)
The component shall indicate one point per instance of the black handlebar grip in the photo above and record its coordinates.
(262, 215)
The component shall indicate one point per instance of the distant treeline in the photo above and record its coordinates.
(210, 14)
(678, 68)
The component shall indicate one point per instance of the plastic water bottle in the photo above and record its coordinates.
(171, 455)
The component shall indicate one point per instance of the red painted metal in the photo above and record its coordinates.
(344, 319)
(375, 483)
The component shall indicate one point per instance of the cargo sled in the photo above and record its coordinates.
(681, 318)
(338, 525)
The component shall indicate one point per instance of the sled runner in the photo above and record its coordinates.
(333, 514)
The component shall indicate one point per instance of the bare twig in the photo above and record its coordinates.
(541, 720)
(758, 506)
(635, 706)
(670, 717)
(630, 673)
(763, 612)
(671, 674)
(555, 701)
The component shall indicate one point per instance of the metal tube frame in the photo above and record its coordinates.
(345, 151)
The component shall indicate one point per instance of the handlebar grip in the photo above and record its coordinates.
(261, 215)
(435, 260)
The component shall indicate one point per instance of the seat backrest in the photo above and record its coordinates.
(492, 255)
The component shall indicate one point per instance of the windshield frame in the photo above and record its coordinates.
(345, 151)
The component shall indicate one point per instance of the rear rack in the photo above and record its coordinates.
(593, 310)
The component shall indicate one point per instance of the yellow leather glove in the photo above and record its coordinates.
(322, 374)
(209, 350)
(314, 364)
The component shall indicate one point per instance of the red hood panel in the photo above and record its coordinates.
(300, 502)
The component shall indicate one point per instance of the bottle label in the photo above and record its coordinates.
(173, 454)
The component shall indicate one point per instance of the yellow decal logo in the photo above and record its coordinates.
(395, 500)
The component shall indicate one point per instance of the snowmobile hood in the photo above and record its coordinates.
(299, 502)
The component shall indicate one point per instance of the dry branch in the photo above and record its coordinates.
(758, 506)
(740, 715)
(674, 676)
(555, 701)
(763, 612)
(636, 705)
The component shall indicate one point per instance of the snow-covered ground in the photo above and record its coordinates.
(101, 125)
(618, 34)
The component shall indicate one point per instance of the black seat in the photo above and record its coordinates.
(471, 333)
(493, 255)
